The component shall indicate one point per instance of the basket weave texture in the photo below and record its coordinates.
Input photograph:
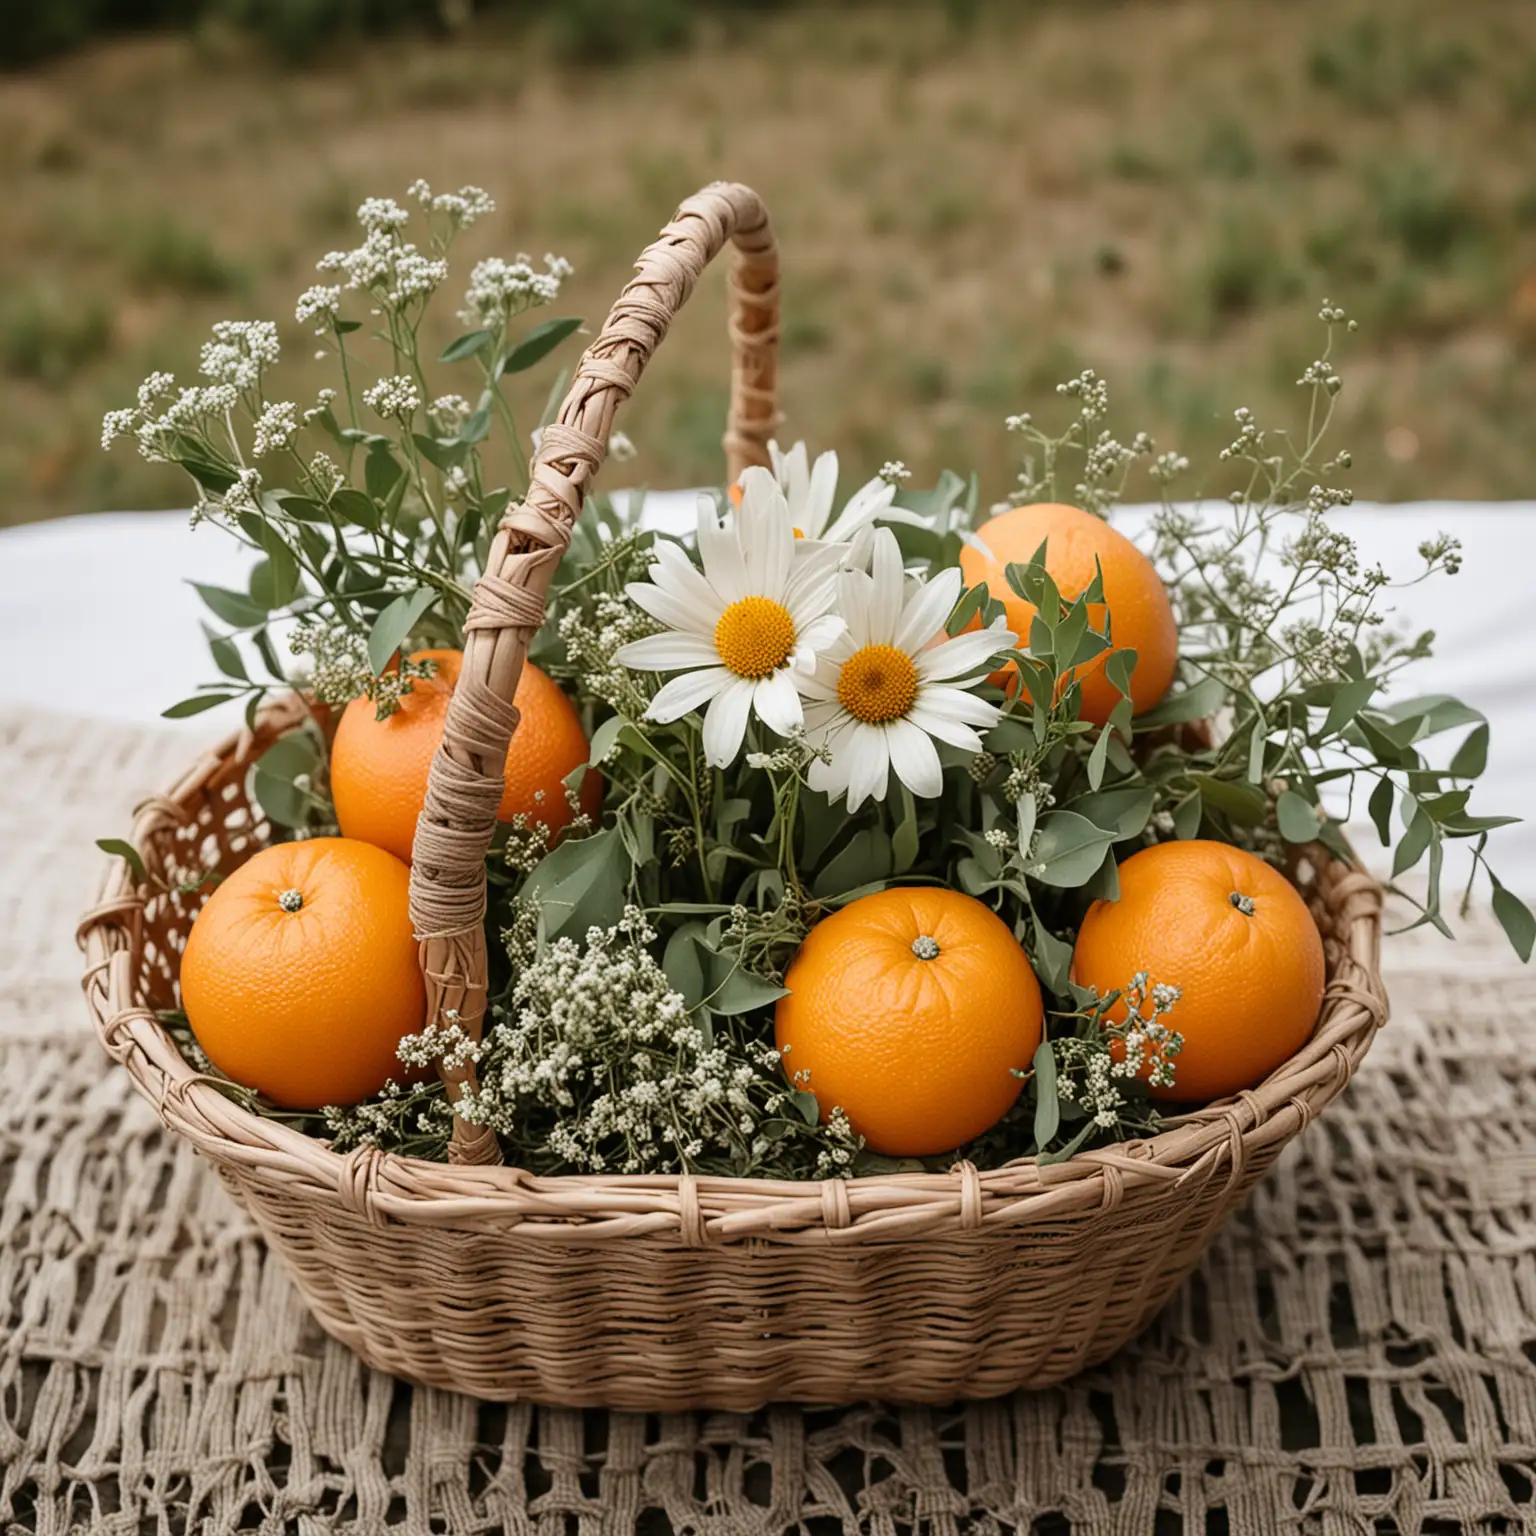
(663, 1292)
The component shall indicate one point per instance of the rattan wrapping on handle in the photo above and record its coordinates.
(465, 787)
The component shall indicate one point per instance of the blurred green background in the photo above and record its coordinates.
(975, 200)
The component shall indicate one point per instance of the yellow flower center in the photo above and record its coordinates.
(877, 684)
(754, 636)
(799, 533)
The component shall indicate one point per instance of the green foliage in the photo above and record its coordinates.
(46, 338)
(705, 872)
(165, 253)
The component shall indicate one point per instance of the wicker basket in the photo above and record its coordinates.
(665, 1292)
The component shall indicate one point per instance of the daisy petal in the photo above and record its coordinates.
(777, 703)
(816, 510)
(870, 501)
(673, 611)
(914, 758)
(869, 764)
(686, 693)
(889, 583)
(674, 572)
(725, 722)
(924, 615)
(720, 554)
(965, 653)
(942, 728)
(667, 653)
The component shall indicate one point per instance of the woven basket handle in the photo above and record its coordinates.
(448, 900)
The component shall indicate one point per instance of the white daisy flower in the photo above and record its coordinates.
(810, 491)
(744, 632)
(892, 685)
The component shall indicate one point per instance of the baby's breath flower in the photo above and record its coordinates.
(393, 396)
(381, 213)
(239, 351)
(276, 426)
(448, 413)
(316, 303)
(500, 289)
(894, 472)
(620, 447)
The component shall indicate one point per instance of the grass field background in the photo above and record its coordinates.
(974, 202)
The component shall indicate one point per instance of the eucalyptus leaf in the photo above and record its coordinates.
(1297, 818)
(380, 472)
(581, 883)
(226, 655)
(121, 849)
(1472, 755)
(1380, 808)
(279, 798)
(1238, 801)
(1052, 957)
(1414, 841)
(684, 965)
(538, 344)
(1069, 850)
(1187, 816)
(1515, 919)
(1351, 698)
(394, 624)
(1197, 703)
(353, 506)
(467, 345)
(1123, 812)
(1047, 1104)
(735, 991)
(233, 607)
(866, 860)
(806, 1103)
(196, 705)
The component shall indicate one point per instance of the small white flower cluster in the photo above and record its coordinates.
(894, 472)
(239, 351)
(447, 1045)
(448, 413)
(155, 419)
(597, 1061)
(318, 302)
(500, 289)
(462, 208)
(276, 426)
(1092, 1067)
(392, 270)
(593, 632)
(1090, 391)
(394, 396)
(342, 672)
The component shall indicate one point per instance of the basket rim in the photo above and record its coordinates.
(1209, 1144)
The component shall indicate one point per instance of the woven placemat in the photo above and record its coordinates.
(1358, 1352)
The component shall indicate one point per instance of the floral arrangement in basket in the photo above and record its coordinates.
(842, 833)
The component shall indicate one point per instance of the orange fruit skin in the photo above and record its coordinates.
(1134, 594)
(1252, 986)
(307, 1006)
(918, 1053)
(379, 768)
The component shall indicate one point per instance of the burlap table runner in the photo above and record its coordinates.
(1357, 1353)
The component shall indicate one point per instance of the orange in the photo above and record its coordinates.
(910, 1009)
(1140, 613)
(1234, 936)
(379, 767)
(300, 973)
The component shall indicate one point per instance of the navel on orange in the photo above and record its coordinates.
(300, 973)
(379, 767)
(1141, 615)
(1237, 940)
(910, 1009)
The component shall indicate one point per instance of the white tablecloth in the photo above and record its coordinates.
(98, 620)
